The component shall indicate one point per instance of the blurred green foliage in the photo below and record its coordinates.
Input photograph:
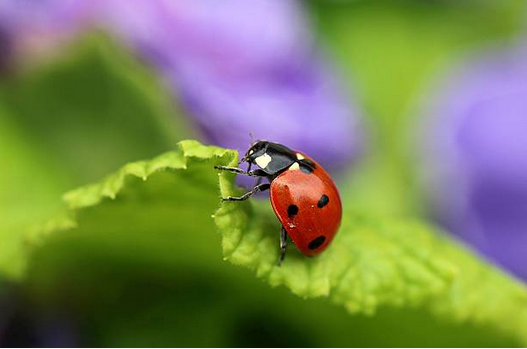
(390, 51)
(126, 276)
(69, 122)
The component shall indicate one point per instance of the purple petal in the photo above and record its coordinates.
(477, 156)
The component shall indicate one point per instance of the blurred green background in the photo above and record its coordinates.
(120, 284)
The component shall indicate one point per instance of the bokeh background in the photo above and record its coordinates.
(418, 108)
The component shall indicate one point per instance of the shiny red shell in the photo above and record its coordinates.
(315, 221)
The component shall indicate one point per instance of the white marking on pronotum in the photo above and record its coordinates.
(294, 167)
(263, 160)
(300, 156)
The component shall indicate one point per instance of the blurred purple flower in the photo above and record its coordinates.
(53, 16)
(32, 27)
(237, 67)
(477, 157)
(245, 66)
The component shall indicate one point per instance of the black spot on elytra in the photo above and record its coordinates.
(306, 165)
(292, 210)
(317, 242)
(323, 201)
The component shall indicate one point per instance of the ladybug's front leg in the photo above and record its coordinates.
(256, 189)
(283, 245)
(253, 173)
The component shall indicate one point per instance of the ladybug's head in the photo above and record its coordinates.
(256, 150)
(271, 157)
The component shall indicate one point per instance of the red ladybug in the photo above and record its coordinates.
(303, 195)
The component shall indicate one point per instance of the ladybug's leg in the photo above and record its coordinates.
(253, 173)
(258, 188)
(283, 245)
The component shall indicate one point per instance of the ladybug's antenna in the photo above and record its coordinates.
(245, 157)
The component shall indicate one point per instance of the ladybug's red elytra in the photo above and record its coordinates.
(303, 195)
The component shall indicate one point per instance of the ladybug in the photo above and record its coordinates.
(302, 194)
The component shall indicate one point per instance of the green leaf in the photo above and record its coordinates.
(125, 187)
(371, 264)
(29, 188)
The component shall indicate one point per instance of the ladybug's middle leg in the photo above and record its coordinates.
(283, 245)
(256, 189)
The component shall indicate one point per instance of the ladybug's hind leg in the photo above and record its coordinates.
(283, 245)
(256, 189)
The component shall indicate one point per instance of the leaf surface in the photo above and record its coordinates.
(370, 264)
